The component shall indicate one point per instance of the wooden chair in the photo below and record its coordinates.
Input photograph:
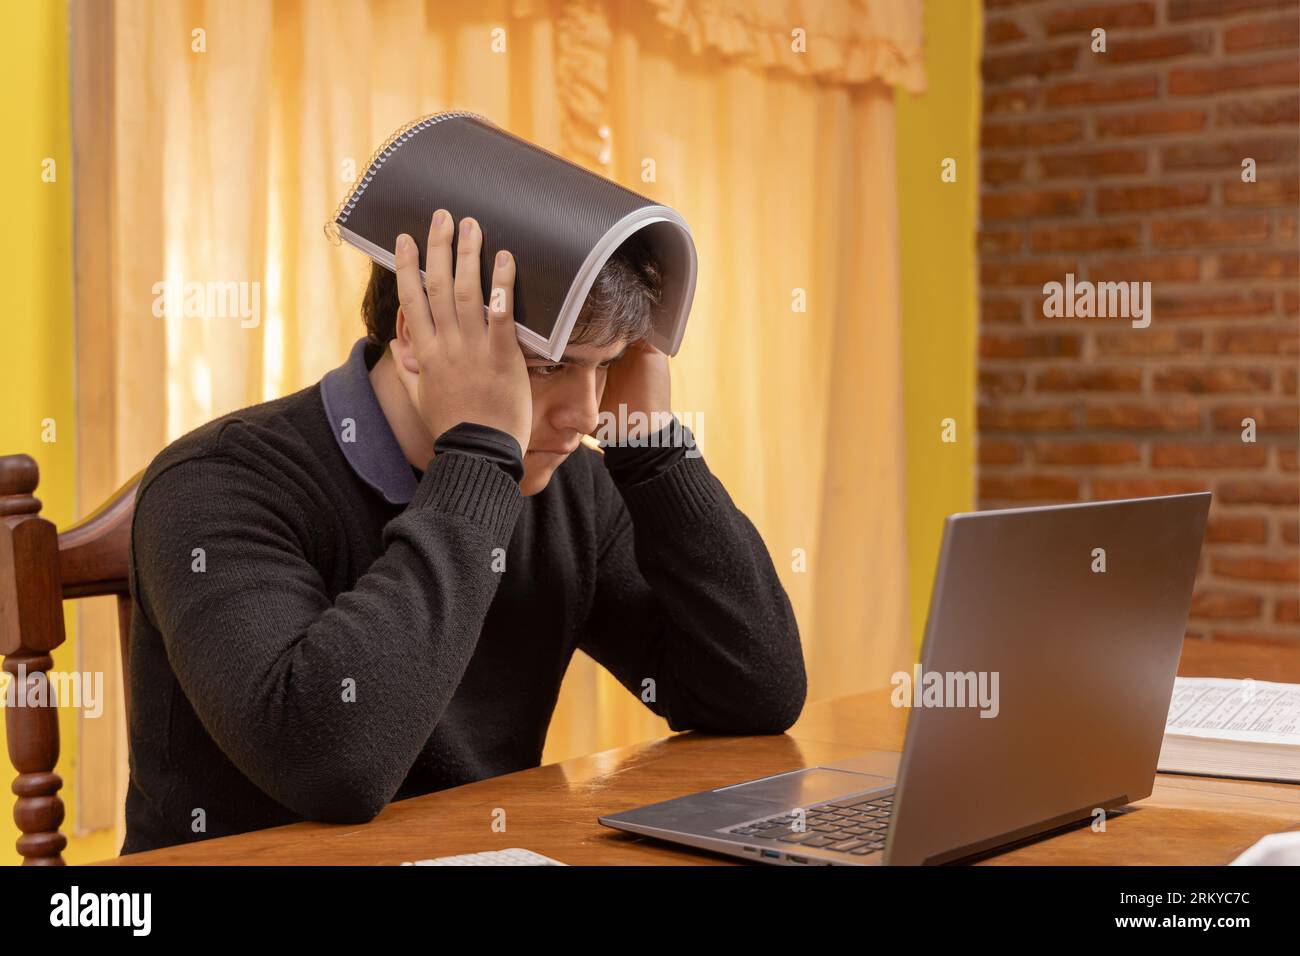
(39, 569)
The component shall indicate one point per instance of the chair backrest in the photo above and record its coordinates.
(39, 569)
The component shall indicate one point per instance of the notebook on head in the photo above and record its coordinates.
(560, 222)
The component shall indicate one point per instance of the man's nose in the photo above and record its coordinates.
(578, 407)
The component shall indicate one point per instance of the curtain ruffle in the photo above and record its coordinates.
(582, 39)
(846, 41)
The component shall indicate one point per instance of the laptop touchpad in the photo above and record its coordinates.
(804, 787)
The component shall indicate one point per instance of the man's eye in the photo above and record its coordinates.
(544, 371)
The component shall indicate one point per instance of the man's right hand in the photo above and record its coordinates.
(457, 367)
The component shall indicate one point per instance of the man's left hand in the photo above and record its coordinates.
(640, 381)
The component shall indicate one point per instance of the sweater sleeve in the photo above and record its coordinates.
(324, 702)
(687, 598)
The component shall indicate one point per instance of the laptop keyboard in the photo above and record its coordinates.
(856, 826)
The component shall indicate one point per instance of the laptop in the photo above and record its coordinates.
(1040, 700)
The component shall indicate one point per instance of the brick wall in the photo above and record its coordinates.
(1126, 166)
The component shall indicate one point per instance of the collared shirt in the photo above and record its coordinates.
(361, 429)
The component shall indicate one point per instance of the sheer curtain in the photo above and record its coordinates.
(214, 139)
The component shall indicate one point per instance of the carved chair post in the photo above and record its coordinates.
(31, 627)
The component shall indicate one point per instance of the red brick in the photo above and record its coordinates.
(1268, 418)
(1245, 491)
(1226, 154)
(998, 171)
(1081, 18)
(1236, 530)
(1151, 123)
(1272, 190)
(1029, 487)
(1094, 92)
(1105, 489)
(1200, 9)
(1225, 605)
(1161, 201)
(1030, 272)
(1199, 455)
(1034, 418)
(1000, 382)
(1014, 100)
(1270, 110)
(1218, 378)
(1021, 135)
(1258, 568)
(1168, 416)
(1001, 310)
(1260, 265)
(1029, 346)
(995, 451)
(1146, 269)
(1199, 81)
(997, 32)
(1256, 342)
(1087, 453)
(1089, 380)
(1262, 34)
(999, 242)
(1114, 162)
(1151, 341)
(1033, 204)
(1213, 305)
(1157, 47)
(1084, 238)
(1005, 66)
(1142, 198)
(1208, 232)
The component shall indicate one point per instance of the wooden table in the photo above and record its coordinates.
(553, 809)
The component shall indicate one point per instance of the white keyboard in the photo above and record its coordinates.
(511, 857)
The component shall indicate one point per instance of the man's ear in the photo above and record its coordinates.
(402, 348)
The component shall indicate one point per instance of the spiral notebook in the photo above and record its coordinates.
(561, 222)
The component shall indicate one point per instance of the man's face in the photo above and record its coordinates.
(566, 403)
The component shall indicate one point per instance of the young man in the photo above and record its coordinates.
(371, 589)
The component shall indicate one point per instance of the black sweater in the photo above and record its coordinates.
(304, 649)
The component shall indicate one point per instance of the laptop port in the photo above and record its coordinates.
(796, 859)
(772, 854)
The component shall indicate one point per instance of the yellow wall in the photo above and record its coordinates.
(937, 232)
(36, 362)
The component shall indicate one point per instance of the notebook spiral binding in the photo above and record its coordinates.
(379, 157)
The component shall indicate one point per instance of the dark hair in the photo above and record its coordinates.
(618, 306)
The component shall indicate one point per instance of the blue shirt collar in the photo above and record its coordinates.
(361, 430)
